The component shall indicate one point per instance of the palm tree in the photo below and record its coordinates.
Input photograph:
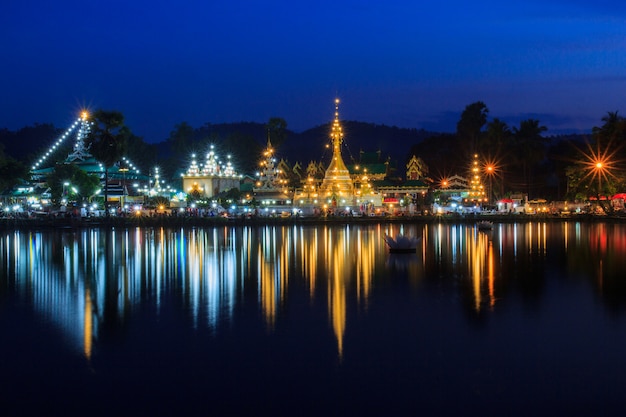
(277, 131)
(468, 128)
(493, 147)
(530, 147)
(496, 137)
(610, 138)
(181, 140)
(107, 143)
(605, 157)
(607, 133)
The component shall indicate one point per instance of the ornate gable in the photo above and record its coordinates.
(416, 168)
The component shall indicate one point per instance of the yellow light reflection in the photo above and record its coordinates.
(334, 259)
(273, 270)
(267, 288)
(101, 275)
(88, 325)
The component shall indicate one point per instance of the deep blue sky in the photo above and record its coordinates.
(404, 63)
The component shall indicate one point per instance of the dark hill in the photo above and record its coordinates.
(246, 140)
(29, 142)
(391, 141)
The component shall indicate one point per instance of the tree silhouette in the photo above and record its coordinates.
(277, 130)
(143, 155)
(611, 136)
(12, 172)
(494, 148)
(496, 138)
(181, 140)
(468, 128)
(529, 148)
(610, 131)
(86, 184)
(107, 143)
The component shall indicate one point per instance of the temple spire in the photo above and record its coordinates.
(336, 133)
(337, 182)
(269, 142)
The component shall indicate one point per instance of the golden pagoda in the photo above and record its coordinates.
(337, 186)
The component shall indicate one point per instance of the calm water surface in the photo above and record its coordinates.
(527, 319)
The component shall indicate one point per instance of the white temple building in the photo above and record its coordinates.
(210, 178)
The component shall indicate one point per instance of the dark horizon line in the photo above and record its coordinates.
(550, 132)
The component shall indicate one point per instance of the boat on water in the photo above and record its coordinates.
(401, 243)
(484, 225)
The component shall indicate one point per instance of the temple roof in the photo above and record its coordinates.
(376, 168)
(369, 157)
(90, 166)
(82, 158)
(399, 184)
(213, 166)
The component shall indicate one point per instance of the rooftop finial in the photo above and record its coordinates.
(336, 131)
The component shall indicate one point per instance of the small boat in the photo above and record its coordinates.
(402, 244)
(484, 225)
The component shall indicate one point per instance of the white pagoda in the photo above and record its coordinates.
(210, 178)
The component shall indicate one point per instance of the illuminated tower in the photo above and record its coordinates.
(269, 176)
(81, 150)
(477, 191)
(271, 188)
(337, 182)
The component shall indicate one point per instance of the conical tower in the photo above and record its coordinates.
(268, 177)
(337, 182)
(477, 191)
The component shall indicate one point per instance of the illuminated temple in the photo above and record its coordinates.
(270, 187)
(339, 187)
(337, 182)
(210, 178)
(120, 175)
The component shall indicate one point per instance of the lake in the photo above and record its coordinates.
(525, 319)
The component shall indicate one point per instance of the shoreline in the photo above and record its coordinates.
(19, 223)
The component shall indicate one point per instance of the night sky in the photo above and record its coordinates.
(404, 63)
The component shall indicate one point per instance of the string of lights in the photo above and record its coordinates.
(84, 126)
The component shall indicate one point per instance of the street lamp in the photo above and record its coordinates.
(64, 196)
(599, 163)
(123, 169)
(490, 172)
(600, 171)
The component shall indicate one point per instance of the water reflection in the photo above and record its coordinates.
(87, 282)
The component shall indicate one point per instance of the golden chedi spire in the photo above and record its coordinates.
(337, 183)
